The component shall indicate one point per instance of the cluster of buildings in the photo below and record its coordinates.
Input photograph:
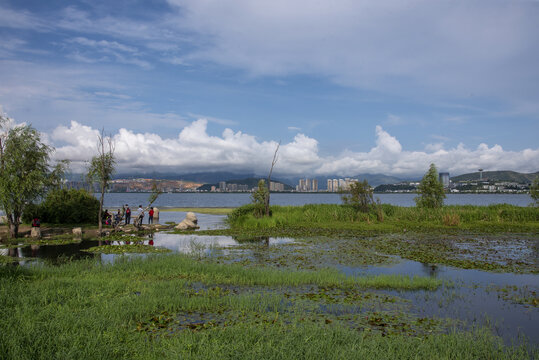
(336, 185)
(307, 185)
(224, 187)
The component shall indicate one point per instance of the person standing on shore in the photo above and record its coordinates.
(140, 214)
(150, 216)
(127, 214)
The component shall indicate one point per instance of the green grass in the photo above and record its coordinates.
(88, 310)
(392, 218)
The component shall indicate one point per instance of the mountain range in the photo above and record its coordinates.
(292, 181)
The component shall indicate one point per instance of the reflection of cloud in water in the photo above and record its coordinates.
(192, 243)
(186, 243)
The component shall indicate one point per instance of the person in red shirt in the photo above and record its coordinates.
(150, 216)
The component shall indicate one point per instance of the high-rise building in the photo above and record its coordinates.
(330, 185)
(314, 186)
(444, 179)
(222, 186)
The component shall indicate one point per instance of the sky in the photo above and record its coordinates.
(345, 86)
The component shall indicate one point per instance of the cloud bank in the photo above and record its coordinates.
(195, 150)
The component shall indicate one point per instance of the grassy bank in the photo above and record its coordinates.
(172, 306)
(390, 218)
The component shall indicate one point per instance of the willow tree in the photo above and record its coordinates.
(25, 173)
(101, 169)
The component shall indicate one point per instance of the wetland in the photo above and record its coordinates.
(276, 290)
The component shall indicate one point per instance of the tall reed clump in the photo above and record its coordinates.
(451, 219)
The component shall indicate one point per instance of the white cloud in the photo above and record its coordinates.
(436, 48)
(195, 150)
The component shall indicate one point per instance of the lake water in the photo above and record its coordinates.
(294, 199)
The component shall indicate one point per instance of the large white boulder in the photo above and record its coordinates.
(189, 223)
(36, 233)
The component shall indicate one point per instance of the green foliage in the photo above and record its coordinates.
(62, 206)
(332, 216)
(534, 190)
(46, 310)
(431, 191)
(101, 169)
(25, 174)
(259, 198)
(360, 196)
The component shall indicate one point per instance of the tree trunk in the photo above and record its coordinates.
(100, 220)
(13, 225)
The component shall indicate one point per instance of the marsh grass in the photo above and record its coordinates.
(89, 310)
(386, 218)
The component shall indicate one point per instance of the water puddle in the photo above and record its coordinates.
(506, 302)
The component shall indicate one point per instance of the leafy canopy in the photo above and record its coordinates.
(430, 190)
(25, 174)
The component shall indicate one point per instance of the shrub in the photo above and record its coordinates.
(64, 206)
(360, 196)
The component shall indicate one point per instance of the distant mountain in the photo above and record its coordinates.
(512, 176)
(251, 182)
(202, 177)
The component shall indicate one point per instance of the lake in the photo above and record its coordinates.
(237, 199)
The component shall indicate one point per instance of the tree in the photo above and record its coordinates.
(259, 198)
(360, 196)
(430, 190)
(534, 190)
(25, 174)
(101, 169)
(267, 199)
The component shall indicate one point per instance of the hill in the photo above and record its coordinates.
(511, 176)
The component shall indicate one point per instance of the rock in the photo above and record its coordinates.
(189, 223)
(36, 233)
(77, 232)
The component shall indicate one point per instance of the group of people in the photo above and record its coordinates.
(110, 220)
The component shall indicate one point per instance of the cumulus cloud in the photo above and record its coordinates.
(195, 150)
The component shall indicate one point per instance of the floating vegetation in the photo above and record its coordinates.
(516, 294)
(126, 249)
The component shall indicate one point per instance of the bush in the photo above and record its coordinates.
(64, 206)
(360, 196)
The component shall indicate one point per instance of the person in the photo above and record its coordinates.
(36, 222)
(127, 214)
(140, 214)
(118, 217)
(106, 217)
(150, 216)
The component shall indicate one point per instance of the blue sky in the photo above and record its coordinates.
(348, 87)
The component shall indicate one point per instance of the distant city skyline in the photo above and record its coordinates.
(347, 88)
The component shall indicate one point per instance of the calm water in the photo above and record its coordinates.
(238, 199)
(473, 298)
